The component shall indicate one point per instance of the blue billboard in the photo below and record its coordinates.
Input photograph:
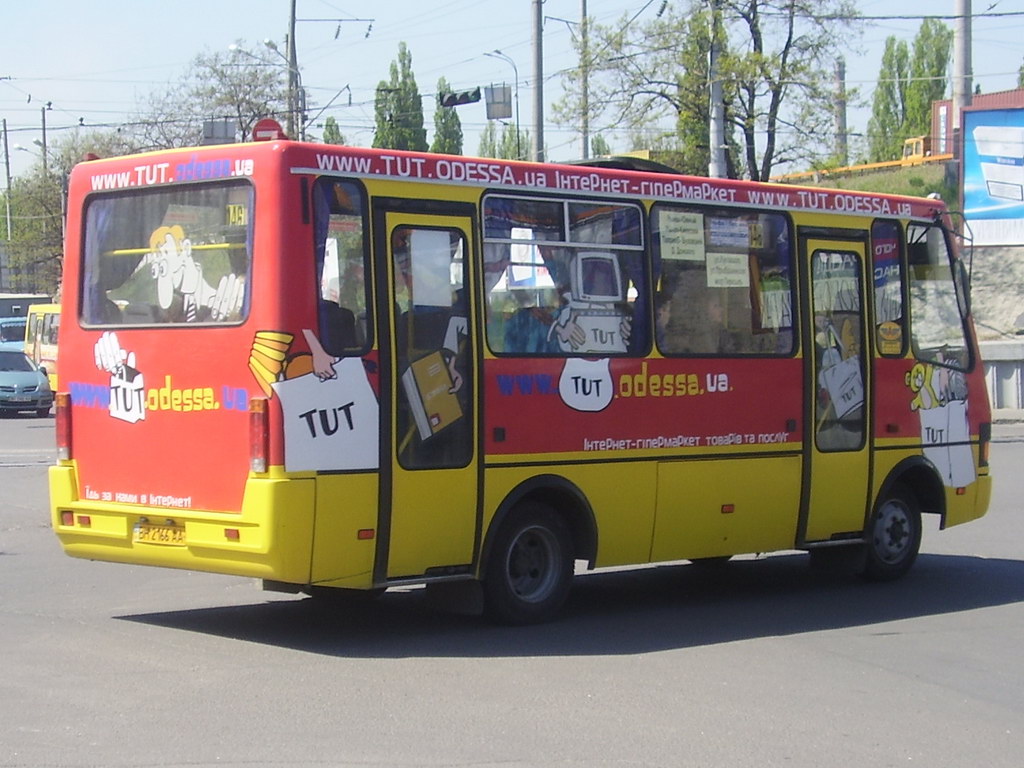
(993, 174)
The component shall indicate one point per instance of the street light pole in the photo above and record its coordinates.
(295, 96)
(293, 78)
(505, 57)
(42, 144)
(7, 174)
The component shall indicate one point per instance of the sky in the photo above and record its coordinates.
(96, 62)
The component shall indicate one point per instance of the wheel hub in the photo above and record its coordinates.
(892, 532)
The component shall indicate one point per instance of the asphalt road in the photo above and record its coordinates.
(761, 663)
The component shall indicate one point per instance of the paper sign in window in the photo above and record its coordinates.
(728, 270)
(682, 236)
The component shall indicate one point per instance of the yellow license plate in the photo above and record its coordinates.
(173, 535)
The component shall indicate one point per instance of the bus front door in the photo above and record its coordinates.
(839, 388)
(429, 481)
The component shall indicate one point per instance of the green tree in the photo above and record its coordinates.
(35, 250)
(447, 126)
(888, 107)
(929, 61)
(240, 84)
(398, 108)
(332, 134)
(599, 146)
(908, 83)
(507, 146)
(35, 253)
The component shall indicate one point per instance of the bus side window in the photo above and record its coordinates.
(726, 279)
(887, 268)
(341, 269)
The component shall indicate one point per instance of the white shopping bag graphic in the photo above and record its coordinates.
(945, 433)
(586, 385)
(331, 424)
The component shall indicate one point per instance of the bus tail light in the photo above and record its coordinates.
(62, 414)
(259, 434)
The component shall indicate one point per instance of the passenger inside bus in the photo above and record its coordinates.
(432, 348)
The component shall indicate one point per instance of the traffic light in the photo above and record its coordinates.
(456, 98)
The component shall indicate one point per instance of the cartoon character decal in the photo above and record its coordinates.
(177, 273)
(940, 399)
(593, 318)
(330, 409)
(127, 384)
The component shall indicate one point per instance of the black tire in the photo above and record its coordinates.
(530, 567)
(42, 412)
(893, 536)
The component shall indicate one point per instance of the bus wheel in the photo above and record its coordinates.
(529, 571)
(893, 535)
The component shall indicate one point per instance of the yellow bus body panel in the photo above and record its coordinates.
(715, 507)
(274, 530)
(345, 505)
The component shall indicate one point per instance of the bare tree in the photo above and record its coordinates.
(239, 84)
(775, 65)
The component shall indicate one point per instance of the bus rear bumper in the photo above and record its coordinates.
(247, 543)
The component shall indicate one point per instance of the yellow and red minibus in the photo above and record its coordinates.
(337, 368)
(41, 332)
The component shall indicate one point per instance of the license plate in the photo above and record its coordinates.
(173, 535)
(21, 399)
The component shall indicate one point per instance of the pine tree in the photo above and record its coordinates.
(447, 126)
(888, 107)
(507, 146)
(332, 134)
(398, 108)
(908, 83)
(928, 64)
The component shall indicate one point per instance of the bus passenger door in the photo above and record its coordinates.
(429, 477)
(836, 472)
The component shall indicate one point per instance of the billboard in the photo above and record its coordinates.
(993, 163)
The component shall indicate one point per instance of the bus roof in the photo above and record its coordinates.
(233, 161)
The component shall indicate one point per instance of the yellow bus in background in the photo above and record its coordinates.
(41, 338)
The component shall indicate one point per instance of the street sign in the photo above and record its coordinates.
(267, 129)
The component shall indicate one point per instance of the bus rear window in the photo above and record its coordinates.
(174, 256)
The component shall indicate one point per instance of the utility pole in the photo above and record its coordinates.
(293, 79)
(585, 75)
(842, 151)
(42, 112)
(7, 175)
(716, 128)
(538, 82)
(961, 62)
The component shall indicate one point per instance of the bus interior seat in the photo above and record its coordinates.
(137, 313)
(428, 328)
(337, 329)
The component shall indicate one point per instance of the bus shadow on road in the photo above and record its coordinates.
(622, 612)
